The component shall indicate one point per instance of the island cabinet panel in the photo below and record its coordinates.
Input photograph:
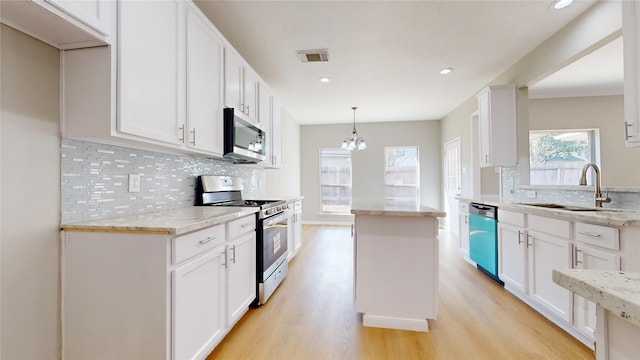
(396, 270)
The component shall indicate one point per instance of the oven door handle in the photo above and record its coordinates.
(274, 220)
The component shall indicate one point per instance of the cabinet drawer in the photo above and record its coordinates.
(557, 227)
(511, 217)
(241, 226)
(189, 245)
(603, 236)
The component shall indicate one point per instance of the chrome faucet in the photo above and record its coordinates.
(598, 193)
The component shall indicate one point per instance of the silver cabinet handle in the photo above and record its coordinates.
(182, 131)
(245, 225)
(575, 255)
(224, 253)
(234, 254)
(588, 233)
(528, 243)
(210, 238)
(626, 130)
(519, 237)
(193, 142)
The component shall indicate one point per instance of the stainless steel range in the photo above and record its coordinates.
(271, 230)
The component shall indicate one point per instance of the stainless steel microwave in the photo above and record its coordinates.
(244, 139)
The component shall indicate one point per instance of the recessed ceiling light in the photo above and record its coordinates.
(561, 4)
(446, 71)
(324, 79)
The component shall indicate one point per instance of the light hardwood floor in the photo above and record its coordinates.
(311, 316)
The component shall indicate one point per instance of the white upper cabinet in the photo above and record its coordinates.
(151, 70)
(497, 118)
(63, 24)
(270, 116)
(241, 84)
(631, 39)
(204, 130)
(276, 134)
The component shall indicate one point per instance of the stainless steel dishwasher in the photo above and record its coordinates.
(483, 238)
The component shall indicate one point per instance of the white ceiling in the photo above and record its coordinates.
(384, 56)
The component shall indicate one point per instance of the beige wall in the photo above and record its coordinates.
(284, 183)
(595, 27)
(368, 165)
(620, 165)
(30, 161)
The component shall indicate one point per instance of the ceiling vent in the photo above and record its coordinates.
(313, 55)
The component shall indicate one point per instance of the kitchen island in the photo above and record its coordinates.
(395, 264)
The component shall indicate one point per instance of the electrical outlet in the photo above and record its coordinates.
(134, 183)
(531, 194)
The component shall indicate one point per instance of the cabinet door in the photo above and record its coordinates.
(589, 257)
(512, 255)
(150, 72)
(250, 93)
(198, 305)
(233, 79)
(484, 128)
(291, 234)
(264, 105)
(631, 38)
(241, 276)
(546, 253)
(95, 13)
(297, 230)
(464, 233)
(204, 85)
(276, 134)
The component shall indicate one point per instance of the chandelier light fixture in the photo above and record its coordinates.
(354, 142)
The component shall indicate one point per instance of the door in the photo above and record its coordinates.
(452, 184)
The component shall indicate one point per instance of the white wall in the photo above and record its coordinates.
(368, 165)
(620, 165)
(30, 162)
(284, 183)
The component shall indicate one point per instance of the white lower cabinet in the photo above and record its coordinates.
(198, 305)
(548, 252)
(241, 276)
(463, 212)
(531, 246)
(154, 296)
(294, 235)
(513, 265)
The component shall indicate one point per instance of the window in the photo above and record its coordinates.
(335, 181)
(558, 156)
(402, 175)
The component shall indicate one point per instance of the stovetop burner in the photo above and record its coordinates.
(214, 190)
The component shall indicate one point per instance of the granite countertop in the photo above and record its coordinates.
(605, 216)
(173, 222)
(616, 291)
(379, 207)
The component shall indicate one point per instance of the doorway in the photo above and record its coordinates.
(452, 183)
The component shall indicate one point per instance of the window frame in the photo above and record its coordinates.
(416, 186)
(321, 184)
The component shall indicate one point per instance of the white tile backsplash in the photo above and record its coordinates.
(95, 180)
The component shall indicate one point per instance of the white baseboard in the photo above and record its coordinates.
(395, 323)
(336, 223)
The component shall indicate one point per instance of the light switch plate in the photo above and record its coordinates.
(134, 183)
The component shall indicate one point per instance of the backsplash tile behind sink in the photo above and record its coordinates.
(622, 198)
(95, 180)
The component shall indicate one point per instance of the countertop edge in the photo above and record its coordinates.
(590, 290)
